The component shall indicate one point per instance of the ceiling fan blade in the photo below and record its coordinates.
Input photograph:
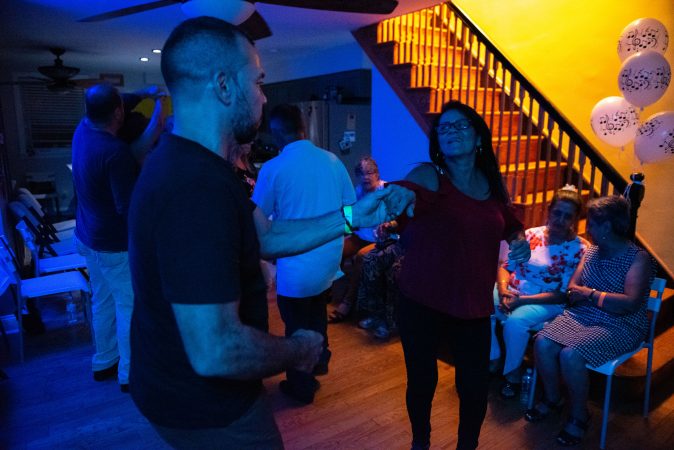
(131, 10)
(355, 6)
(255, 27)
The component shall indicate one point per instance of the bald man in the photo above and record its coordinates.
(104, 172)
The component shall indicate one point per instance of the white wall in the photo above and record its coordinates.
(398, 143)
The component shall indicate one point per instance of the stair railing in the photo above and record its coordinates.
(453, 57)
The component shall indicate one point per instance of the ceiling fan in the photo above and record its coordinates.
(243, 14)
(59, 77)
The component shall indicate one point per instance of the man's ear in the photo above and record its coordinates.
(223, 86)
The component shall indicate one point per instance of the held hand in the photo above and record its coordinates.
(310, 347)
(578, 294)
(512, 302)
(399, 200)
(519, 251)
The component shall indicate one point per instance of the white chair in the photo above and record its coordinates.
(30, 201)
(60, 283)
(73, 261)
(608, 369)
(46, 239)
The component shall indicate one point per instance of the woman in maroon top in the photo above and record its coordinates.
(451, 245)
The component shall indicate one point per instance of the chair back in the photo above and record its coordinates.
(654, 302)
(31, 204)
(8, 261)
(29, 241)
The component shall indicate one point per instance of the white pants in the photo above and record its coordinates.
(111, 308)
(516, 335)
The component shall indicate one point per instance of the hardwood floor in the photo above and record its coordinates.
(51, 402)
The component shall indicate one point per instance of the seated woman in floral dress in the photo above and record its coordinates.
(534, 292)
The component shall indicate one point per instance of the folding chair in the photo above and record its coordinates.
(30, 201)
(60, 283)
(73, 261)
(46, 240)
(608, 369)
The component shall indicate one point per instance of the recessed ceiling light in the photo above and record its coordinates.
(143, 59)
(156, 50)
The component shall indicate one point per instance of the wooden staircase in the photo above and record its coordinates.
(431, 56)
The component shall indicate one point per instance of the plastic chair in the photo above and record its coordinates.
(73, 261)
(608, 369)
(60, 283)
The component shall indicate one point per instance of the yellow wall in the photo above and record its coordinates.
(567, 49)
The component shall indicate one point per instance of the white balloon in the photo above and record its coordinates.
(614, 121)
(642, 34)
(655, 138)
(644, 78)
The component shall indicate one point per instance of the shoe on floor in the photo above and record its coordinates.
(321, 367)
(367, 323)
(302, 397)
(510, 390)
(381, 332)
(102, 375)
(124, 387)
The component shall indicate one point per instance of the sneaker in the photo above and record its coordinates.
(381, 332)
(302, 397)
(102, 375)
(368, 323)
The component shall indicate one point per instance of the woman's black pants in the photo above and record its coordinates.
(422, 332)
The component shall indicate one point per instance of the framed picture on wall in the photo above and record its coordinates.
(115, 79)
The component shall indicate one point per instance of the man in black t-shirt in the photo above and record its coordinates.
(199, 340)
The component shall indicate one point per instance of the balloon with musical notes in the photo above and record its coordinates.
(644, 78)
(614, 121)
(655, 138)
(642, 34)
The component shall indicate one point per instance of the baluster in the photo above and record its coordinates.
(548, 156)
(560, 146)
(581, 172)
(570, 163)
(485, 82)
(592, 177)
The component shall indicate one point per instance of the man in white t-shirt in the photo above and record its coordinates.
(303, 181)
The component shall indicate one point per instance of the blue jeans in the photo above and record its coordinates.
(111, 308)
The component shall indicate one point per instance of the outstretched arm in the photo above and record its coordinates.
(279, 238)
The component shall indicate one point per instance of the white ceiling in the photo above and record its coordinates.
(29, 27)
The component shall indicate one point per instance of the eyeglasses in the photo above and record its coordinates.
(459, 125)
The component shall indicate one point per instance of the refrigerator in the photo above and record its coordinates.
(343, 129)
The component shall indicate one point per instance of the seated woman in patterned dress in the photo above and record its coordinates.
(607, 316)
(534, 292)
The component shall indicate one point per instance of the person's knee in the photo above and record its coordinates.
(545, 347)
(570, 358)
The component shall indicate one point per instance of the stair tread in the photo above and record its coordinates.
(529, 165)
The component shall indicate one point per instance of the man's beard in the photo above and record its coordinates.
(244, 124)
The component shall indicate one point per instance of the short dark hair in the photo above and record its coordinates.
(358, 170)
(289, 117)
(614, 209)
(196, 46)
(570, 195)
(485, 160)
(101, 101)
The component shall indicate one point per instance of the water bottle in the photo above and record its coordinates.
(527, 379)
(71, 312)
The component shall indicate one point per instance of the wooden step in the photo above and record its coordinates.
(511, 152)
(526, 178)
(428, 75)
(431, 99)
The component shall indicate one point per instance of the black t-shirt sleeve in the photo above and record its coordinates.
(199, 259)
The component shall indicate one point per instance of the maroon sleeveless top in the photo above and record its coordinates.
(451, 249)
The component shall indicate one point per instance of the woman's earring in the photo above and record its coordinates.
(478, 149)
